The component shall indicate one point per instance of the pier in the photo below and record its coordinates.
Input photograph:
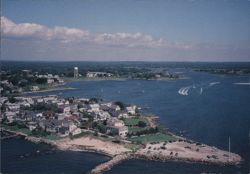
(109, 164)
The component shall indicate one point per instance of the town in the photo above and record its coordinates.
(26, 80)
(54, 116)
(30, 78)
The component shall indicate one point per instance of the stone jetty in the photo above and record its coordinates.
(109, 164)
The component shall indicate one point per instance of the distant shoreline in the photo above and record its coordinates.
(49, 90)
(122, 79)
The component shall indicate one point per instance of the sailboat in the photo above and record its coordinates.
(201, 90)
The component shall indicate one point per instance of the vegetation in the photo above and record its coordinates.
(78, 135)
(14, 127)
(135, 121)
(39, 133)
(144, 131)
(99, 126)
(142, 123)
(121, 105)
(159, 137)
(45, 107)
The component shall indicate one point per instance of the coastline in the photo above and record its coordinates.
(58, 88)
(49, 90)
(122, 79)
(186, 151)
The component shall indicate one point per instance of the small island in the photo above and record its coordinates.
(225, 71)
(121, 131)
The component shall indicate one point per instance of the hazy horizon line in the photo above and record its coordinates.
(177, 61)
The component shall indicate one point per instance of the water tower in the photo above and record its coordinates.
(76, 74)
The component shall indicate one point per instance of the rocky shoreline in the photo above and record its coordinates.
(180, 150)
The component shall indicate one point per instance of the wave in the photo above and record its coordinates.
(213, 83)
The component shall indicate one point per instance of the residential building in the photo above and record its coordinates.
(117, 127)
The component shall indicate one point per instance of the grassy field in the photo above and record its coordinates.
(136, 129)
(158, 137)
(28, 132)
(15, 128)
(134, 121)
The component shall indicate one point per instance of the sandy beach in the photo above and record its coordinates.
(92, 144)
(49, 90)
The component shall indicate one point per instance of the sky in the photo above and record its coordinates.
(125, 30)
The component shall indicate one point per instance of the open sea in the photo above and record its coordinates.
(212, 108)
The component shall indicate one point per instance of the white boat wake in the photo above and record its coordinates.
(198, 87)
(184, 90)
(247, 83)
(213, 83)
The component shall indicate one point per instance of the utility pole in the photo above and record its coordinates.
(229, 149)
(249, 141)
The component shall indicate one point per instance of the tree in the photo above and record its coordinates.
(120, 104)
(96, 133)
(12, 99)
(41, 80)
(142, 124)
(93, 100)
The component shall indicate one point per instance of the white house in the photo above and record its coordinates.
(13, 107)
(10, 116)
(115, 122)
(25, 104)
(117, 127)
(34, 88)
(93, 107)
(109, 104)
(73, 129)
(3, 99)
(115, 107)
(131, 109)
(50, 81)
(123, 115)
(66, 109)
(39, 100)
(61, 116)
(102, 115)
(32, 125)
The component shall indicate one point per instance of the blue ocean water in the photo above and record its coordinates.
(23, 157)
(214, 109)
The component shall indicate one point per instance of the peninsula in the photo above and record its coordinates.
(116, 129)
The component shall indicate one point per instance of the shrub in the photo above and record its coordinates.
(142, 124)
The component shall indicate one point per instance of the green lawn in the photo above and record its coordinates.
(28, 132)
(15, 128)
(158, 137)
(134, 121)
(136, 129)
